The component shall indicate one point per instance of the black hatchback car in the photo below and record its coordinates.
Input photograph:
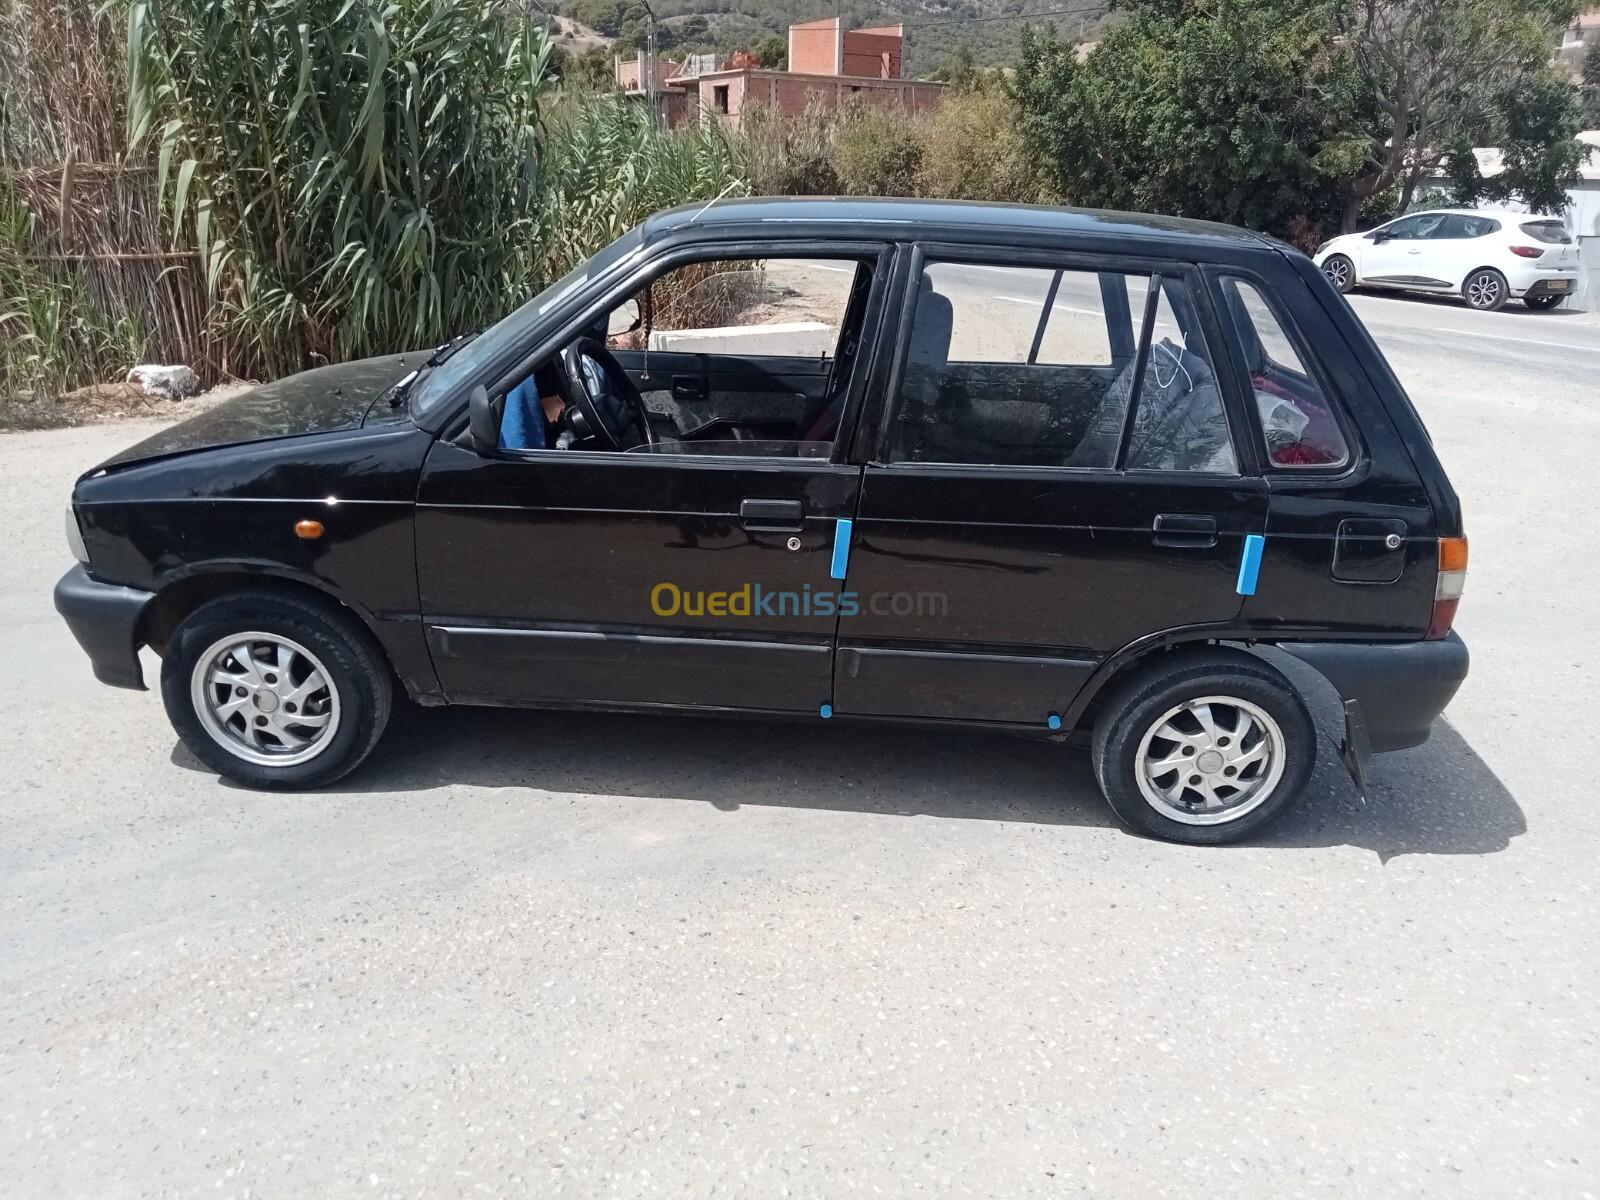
(1018, 469)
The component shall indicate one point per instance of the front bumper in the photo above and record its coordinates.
(104, 617)
(1401, 687)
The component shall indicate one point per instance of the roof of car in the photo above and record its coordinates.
(921, 215)
(1509, 214)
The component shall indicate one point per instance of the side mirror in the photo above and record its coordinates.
(1379, 235)
(481, 422)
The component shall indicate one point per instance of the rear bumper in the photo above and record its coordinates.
(1400, 687)
(104, 617)
(1534, 282)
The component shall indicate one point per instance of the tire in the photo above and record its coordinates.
(1543, 302)
(1486, 290)
(344, 711)
(1234, 685)
(1340, 271)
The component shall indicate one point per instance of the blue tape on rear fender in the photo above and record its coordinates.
(1250, 564)
(841, 548)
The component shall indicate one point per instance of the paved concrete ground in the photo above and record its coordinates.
(551, 956)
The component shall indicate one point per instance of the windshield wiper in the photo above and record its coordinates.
(449, 348)
(399, 393)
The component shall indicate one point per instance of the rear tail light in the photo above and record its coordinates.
(1527, 251)
(1447, 592)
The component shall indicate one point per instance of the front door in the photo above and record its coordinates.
(1015, 526)
(1399, 258)
(694, 572)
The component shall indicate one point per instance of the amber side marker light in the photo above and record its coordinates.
(1447, 592)
(308, 529)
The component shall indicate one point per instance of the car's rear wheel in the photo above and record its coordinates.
(1204, 752)
(1341, 272)
(1545, 300)
(1486, 290)
(275, 691)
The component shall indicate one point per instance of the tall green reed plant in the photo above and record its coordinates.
(357, 175)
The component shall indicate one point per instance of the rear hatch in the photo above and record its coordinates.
(1560, 247)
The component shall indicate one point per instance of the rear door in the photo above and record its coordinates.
(1017, 522)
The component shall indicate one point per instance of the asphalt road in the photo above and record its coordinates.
(581, 956)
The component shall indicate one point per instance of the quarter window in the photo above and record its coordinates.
(1028, 366)
(1297, 418)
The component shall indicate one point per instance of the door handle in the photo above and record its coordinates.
(688, 387)
(772, 516)
(1193, 531)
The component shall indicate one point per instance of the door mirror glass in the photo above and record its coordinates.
(481, 422)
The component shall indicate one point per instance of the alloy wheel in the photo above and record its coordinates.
(265, 698)
(1338, 272)
(1210, 760)
(1483, 290)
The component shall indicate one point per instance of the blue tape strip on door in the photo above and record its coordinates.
(1250, 563)
(841, 547)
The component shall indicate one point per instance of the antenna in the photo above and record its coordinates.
(731, 185)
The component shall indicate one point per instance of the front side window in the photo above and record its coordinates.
(736, 357)
(1297, 418)
(1031, 366)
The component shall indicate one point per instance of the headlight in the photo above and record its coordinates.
(75, 538)
(1322, 247)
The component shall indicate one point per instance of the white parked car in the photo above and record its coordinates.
(1486, 256)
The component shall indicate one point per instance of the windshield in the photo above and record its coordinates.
(440, 383)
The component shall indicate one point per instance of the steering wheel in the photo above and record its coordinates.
(605, 404)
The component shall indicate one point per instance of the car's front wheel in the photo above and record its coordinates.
(275, 691)
(1206, 750)
(1341, 272)
(1543, 301)
(1486, 290)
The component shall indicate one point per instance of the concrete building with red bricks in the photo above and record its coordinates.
(829, 66)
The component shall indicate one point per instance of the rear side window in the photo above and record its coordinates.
(1028, 366)
(1458, 226)
(1297, 418)
(1553, 232)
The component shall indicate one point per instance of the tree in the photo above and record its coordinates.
(583, 71)
(1435, 71)
(1591, 81)
(960, 70)
(771, 51)
(1239, 112)
(1535, 126)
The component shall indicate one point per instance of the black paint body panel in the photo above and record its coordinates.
(527, 579)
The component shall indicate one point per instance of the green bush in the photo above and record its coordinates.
(877, 150)
(784, 155)
(972, 150)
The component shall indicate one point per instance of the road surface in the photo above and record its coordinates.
(524, 954)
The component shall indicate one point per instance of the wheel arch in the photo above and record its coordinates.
(1468, 274)
(1168, 651)
(180, 595)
